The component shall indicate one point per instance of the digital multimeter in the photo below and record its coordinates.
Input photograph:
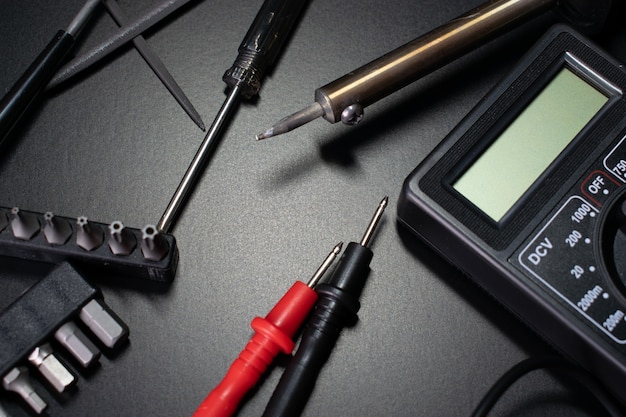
(527, 195)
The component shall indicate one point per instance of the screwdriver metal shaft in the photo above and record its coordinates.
(345, 98)
(198, 162)
(256, 54)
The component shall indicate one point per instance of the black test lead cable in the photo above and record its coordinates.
(336, 308)
(257, 53)
(564, 368)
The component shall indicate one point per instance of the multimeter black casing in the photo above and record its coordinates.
(557, 259)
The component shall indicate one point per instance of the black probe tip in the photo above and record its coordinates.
(371, 227)
(352, 272)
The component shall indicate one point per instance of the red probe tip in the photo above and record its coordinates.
(325, 265)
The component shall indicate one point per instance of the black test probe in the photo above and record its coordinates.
(258, 51)
(336, 308)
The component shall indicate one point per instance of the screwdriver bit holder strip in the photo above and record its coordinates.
(34, 316)
(27, 326)
(28, 239)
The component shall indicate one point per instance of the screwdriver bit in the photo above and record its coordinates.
(104, 323)
(77, 344)
(57, 230)
(17, 380)
(122, 241)
(153, 245)
(24, 225)
(88, 237)
(56, 299)
(44, 359)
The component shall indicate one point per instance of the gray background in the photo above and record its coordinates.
(113, 145)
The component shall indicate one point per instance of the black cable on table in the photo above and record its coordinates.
(552, 363)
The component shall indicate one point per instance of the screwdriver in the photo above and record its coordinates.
(256, 54)
(336, 308)
(273, 335)
(15, 103)
(345, 98)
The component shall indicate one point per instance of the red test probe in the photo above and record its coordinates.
(273, 335)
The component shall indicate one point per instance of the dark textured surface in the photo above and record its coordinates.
(113, 145)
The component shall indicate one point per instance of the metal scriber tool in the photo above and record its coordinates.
(156, 64)
(345, 98)
(336, 307)
(131, 31)
(257, 53)
(15, 103)
(124, 35)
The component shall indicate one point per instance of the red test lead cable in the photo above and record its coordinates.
(273, 335)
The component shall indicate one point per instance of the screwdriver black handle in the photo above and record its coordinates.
(15, 103)
(336, 308)
(262, 44)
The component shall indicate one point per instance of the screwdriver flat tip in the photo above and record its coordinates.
(293, 121)
(367, 236)
(325, 265)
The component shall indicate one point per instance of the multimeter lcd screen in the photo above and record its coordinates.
(527, 147)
